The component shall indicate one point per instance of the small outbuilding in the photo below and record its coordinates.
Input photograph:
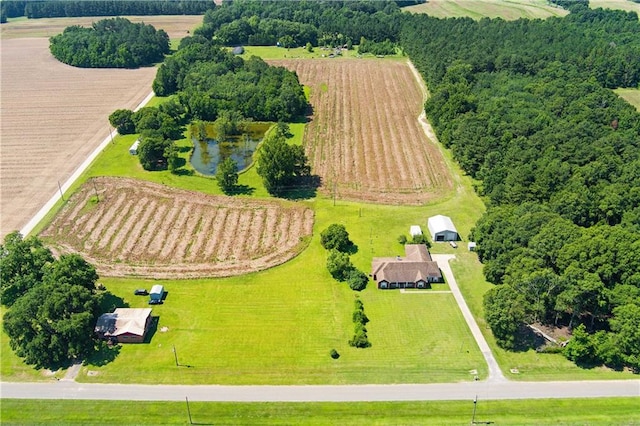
(415, 230)
(133, 149)
(156, 293)
(442, 228)
(471, 246)
(124, 325)
(238, 50)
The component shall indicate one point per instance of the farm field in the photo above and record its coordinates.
(630, 95)
(478, 9)
(53, 116)
(603, 411)
(176, 26)
(627, 5)
(128, 227)
(364, 139)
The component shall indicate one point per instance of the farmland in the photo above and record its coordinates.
(364, 139)
(129, 227)
(53, 116)
(176, 26)
(509, 10)
(627, 5)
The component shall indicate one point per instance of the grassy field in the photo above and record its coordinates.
(272, 52)
(630, 95)
(615, 4)
(278, 326)
(605, 411)
(478, 9)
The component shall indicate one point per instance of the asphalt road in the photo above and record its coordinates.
(484, 390)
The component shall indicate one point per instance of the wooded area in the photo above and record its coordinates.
(557, 155)
(69, 8)
(110, 43)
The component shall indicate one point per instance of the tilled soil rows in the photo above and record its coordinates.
(53, 117)
(127, 227)
(364, 139)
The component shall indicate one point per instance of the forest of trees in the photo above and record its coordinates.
(69, 8)
(207, 79)
(527, 110)
(331, 23)
(110, 43)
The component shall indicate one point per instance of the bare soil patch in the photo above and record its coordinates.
(176, 26)
(148, 230)
(53, 116)
(364, 139)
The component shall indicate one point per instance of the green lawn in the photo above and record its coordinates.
(604, 411)
(478, 9)
(272, 52)
(630, 95)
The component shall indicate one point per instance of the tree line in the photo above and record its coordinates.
(70, 8)
(526, 109)
(330, 23)
(110, 43)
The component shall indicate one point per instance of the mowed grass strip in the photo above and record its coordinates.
(478, 9)
(604, 411)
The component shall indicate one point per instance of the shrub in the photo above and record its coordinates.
(360, 340)
(334, 354)
(357, 280)
(336, 237)
(360, 317)
(402, 239)
(339, 265)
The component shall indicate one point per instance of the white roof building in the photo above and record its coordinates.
(415, 230)
(441, 228)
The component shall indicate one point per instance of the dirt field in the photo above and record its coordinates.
(177, 26)
(53, 117)
(143, 229)
(364, 139)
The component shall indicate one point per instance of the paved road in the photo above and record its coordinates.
(423, 392)
(495, 374)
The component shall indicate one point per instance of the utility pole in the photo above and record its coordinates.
(175, 355)
(188, 410)
(475, 403)
(60, 188)
(110, 132)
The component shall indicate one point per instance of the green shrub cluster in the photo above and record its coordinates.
(360, 319)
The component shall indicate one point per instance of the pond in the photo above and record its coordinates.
(209, 152)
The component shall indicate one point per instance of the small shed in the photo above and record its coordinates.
(415, 230)
(238, 50)
(156, 293)
(442, 228)
(133, 149)
(471, 246)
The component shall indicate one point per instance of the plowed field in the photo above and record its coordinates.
(139, 228)
(53, 117)
(364, 139)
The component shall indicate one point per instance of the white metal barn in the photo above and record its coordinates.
(442, 228)
(133, 150)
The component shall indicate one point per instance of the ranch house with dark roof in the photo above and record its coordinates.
(415, 270)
